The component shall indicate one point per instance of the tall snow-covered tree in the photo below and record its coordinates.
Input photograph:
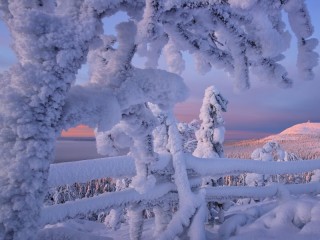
(52, 38)
(210, 136)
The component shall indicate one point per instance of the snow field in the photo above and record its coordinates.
(119, 167)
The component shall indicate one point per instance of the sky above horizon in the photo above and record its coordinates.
(260, 111)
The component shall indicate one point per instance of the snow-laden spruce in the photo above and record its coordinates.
(210, 135)
(53, 38)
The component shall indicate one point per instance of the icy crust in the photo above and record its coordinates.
(227, 166)
(152, 85)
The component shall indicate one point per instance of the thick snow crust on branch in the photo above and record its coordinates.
(58, 212)
(227, 166)
(86, 170)
(234, 192)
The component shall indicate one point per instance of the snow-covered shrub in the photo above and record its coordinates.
(272, 151)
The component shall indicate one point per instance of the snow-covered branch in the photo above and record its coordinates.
(59, 212)
(234, 192)
(228, 166)
(86, 170)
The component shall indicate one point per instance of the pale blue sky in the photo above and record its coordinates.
(262, 110)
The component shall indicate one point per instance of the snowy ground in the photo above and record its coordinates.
(287, 218)
(84, 230)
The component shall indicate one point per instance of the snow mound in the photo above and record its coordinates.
(307, 128)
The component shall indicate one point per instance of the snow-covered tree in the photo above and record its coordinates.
(272, 151)
(210, 136)
(52, 39)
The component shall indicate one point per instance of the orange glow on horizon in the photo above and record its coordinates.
(79, 131)
(85, 131)
(185, 112)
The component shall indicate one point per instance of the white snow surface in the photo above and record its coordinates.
(308, 128)
(287, 218)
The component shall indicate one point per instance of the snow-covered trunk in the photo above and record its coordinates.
(189, 203)
(163, 211)
(142, 182)
(140, 123)
(142, 151)
(221, 215)
(197, 227)
(162, 217)
(135, 214)
(113, 220)
(32, 97)
(24, 182)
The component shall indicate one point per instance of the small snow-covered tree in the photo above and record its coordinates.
(210, 136)
(271, 151)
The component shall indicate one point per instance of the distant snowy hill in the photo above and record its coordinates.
(302, 139)
(303, 128)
